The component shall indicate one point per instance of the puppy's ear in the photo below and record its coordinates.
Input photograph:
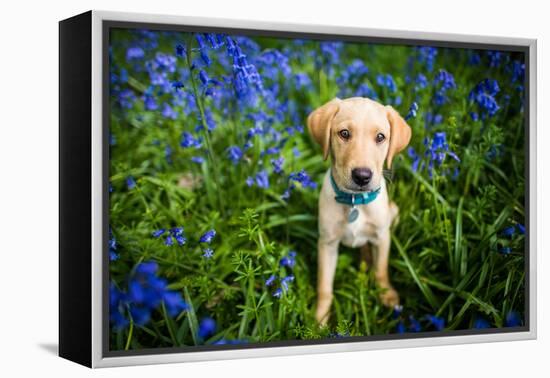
(400, 134)
(318, 123)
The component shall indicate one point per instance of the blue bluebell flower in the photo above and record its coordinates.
(329, 56)
(513, 319)
(443, 82)
(177, 85)
(169, 112)
(140, 315)
(483, 95)
(130, 182)
(481, 323)
(415, 158)
(518, 72)
(414, 325)
(495, 151)
(174, 303)
(262, 179)
(505, 250)
(113, 255)
(509, 231)
(495, 58)
(168, 241)
(126, 98)
(302, 81)
(208, 236)
(146, 291)
(235, 154)
(364, 90)
(437, 150)
(203, 77)
(207, 327)
(397, 311)
(175, 233)
(289, 260)
(436, 321)
(168, 154)
(298, 177)
(246, 80)
(177, 230)
(189, 141)
(208, 253)
(432, 119)
(400, 327)
(224, 341)
(148, 268)
(134, 53)
(205, 58)
(180, 238)
(117, 308)
(412, 111)
(286, 281)
(270, 280)
(272, 63)
(150, 102)
(352, 76)
(474, 58)
(421, 82)
(181, 51)
(215, 40)
(278, 164)
(278, 293)
(521, 228)
(387, 81)
(303, 178)
(158, 233)
(426, 55)
(331, 50)
(200, 40)
(209, 120)
(197, 159)
(165, 62)
(271, 151)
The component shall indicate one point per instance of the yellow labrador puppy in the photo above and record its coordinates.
(354, 209)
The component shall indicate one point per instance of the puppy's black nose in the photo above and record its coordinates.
(361, 176)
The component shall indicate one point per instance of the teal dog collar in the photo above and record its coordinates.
(353, 199)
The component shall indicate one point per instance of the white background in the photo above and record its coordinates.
(29, 189)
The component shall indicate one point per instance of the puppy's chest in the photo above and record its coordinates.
(361, 231)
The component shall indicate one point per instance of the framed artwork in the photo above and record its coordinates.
(232, 189)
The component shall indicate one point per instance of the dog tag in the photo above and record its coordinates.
(353, 215)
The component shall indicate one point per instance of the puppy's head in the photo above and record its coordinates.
(359, 134)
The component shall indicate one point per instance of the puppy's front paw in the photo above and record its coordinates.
(322, 312)
(389, 297)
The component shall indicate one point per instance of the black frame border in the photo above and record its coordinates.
(75, 189)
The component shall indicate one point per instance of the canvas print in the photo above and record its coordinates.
(284, 189)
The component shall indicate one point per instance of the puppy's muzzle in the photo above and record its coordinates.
(361, 176)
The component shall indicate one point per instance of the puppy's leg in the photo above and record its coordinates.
(389, 296)
(394, 214)
(327, 259)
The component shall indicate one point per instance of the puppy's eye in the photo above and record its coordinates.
(380, 138)
(344, 134)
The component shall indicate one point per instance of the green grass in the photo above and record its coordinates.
(445, 258)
